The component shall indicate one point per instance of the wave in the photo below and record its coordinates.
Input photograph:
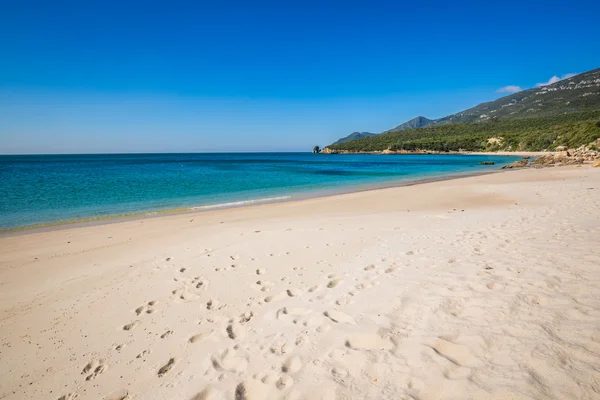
(241, 203)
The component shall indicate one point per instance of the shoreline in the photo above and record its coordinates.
(419, 153)
(457, 288)
(192, 210)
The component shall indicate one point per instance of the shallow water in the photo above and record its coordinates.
(47, 189)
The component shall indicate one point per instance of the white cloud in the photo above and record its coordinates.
(509, 89)
(555, 79)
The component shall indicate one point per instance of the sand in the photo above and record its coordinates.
(485, 287)
(511, 153)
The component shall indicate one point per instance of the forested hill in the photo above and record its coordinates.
(576, 94)
(568, 106)
(525, 134)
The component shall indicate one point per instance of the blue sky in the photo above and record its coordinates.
(86, 76)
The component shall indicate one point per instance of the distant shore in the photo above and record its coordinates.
(403, 152)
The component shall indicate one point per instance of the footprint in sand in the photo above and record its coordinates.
(166, 368)
(281, 346)
(266, 285)
(261, 271)
(148, 309)
(143, 354)
(455, 353)
(166, 334)
(229, 360)
(200, 283)
(295, 292)
(90, 366)
(455, 372)
(131, 325)
(201, 336)
(314, 288)
(275, 297)
(334, 283)
(369, 268)
(296, 311)
(269, 378)
(368, 341)
(236, 331)
(209, 394)
(339, 372)
(339, 317)
(292, 365)
(212, 304)
(246, 317)
(284, 382)
(344, 302)
(118, 395)
(251, 389)
(98, 367)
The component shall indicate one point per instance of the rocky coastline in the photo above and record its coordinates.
(563, 156)
(589, 154)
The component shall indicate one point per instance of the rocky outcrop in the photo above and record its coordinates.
(487, 162)
(517, 164)
(589, 154)
(564, 156)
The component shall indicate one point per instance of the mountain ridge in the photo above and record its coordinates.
(575, 94)
(353, 136)
(415, 123)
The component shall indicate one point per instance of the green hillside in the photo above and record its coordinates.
(562, 111)
(525, 134)
(576, 94)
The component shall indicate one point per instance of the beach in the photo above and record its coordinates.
(483, 287)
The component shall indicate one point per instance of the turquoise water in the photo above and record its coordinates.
(46, 189)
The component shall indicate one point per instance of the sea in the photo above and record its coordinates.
(45, 190)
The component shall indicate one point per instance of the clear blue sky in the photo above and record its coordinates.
(107, 76)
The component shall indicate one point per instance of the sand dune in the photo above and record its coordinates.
(477, 288)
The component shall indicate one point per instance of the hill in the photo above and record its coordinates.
(415, 123)
(576, 94)
(526, 134)
(561, 105)
(354, 136)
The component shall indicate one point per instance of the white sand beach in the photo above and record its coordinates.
(485, 287)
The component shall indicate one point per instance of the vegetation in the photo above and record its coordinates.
(537, 111)
(526, 134)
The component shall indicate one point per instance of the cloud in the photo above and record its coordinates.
(509, 89)
(555, 79)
